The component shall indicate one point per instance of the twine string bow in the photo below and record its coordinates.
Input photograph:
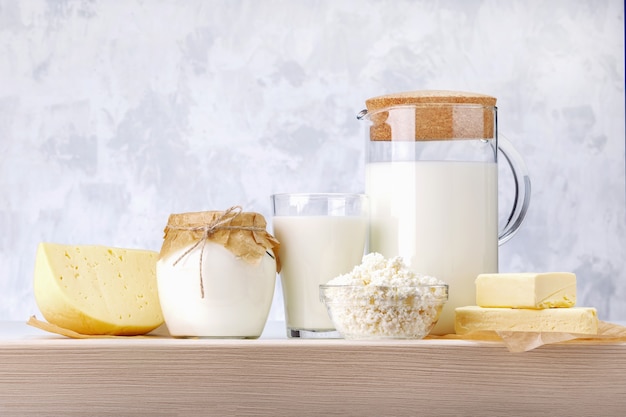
(219, 223)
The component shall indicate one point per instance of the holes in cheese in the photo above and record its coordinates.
(96, 289)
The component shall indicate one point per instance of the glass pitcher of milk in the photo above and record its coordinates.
(432, 182)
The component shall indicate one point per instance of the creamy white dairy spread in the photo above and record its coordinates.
(237, 294)
(384, 298)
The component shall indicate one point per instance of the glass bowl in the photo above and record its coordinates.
(384, 312)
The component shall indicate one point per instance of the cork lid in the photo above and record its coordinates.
(427, 96)
(436, 115)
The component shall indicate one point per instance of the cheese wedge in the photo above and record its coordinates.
(97, 290)
(526, 290)
(580, 320)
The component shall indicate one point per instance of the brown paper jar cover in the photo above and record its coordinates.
(235, 234)
(431, 115)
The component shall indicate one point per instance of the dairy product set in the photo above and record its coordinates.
(430, 206)
(214, 276)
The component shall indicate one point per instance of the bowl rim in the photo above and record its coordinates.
(327, 286)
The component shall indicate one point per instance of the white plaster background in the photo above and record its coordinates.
(114, 114)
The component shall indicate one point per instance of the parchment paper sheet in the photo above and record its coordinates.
(526, 341)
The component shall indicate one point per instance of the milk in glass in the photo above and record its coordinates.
(313, 250)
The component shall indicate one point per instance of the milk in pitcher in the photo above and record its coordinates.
(441, 217)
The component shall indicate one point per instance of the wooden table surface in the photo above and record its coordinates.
(46, 375)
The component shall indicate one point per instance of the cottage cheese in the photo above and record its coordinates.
(382, 298)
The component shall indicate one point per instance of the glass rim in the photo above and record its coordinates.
(318, 195)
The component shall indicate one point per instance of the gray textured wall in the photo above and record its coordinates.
(114, 114)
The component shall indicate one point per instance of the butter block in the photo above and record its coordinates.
(96, 289)
(526, 290)
(580, 320)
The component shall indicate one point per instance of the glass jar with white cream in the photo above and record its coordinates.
(216, 274)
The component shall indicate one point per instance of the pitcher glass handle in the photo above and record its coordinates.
(522, 189)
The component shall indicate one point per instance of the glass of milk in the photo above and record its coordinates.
(321, 237)
(432, 182)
